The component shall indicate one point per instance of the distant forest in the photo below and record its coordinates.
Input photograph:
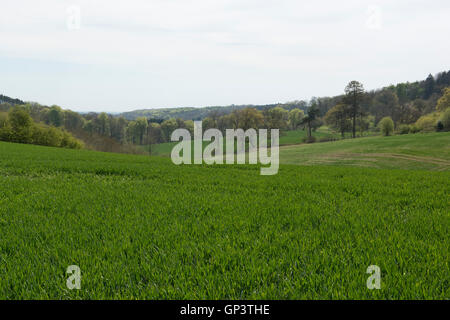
(423, 93)
(412, 107)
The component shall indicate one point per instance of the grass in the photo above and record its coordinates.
(291, 137)
(296, 136)
(286, 138)
(429, 151)
(141, 227)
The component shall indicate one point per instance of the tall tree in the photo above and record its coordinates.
(386, 104)
(167, 126)
(55, 116)
(21, 125)
(354, 95)
(250, 118)
(153, 135)
(295, 118)
(428, 87)
(312, 114)
(103, 123)
(276, 118)
(337, 118)
(141, 129)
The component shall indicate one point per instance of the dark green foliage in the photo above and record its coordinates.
(55, 116)
(405, 103)
(309, 139)
(310, 120)
(428, 87)
(5, 99)
(354, 96)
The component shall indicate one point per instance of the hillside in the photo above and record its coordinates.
(429, 151)
(200, 112)
(216, 232)
(286, 138)
(423, 93)
(411, 106)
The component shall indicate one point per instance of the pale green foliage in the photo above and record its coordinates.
(403, 129)
(445, 119)
(427, 123)
(386, 126)
(444, 102)
(295, 118)
(18, 126)
(167, 127)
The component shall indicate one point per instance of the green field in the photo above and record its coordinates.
(429, 151)
(141, 227)
(286, 138)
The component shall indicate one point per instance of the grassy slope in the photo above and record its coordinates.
(141, 227)
(418, 151)
(286, 138)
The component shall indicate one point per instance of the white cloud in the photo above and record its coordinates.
(265, 51)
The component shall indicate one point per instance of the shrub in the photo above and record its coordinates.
(426, 123)
(54, 137)
(445, 119)
(5, 133)
(3, 119)
(327, 139)
(311, 139)
(414, 129)
(444, 102)
(403, 129)
(386, 126)
(21, 126)
(68, 141)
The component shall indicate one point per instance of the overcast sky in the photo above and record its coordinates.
(104, 55)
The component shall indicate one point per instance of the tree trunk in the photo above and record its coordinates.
(354, 126)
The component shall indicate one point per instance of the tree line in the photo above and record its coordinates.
(412, 107)
(18, 126)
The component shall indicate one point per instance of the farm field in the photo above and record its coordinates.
(141, 227)
(429, 151)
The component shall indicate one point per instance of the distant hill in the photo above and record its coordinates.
(424, 94)
(202, 112)
(5, 99)
(427, 90)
